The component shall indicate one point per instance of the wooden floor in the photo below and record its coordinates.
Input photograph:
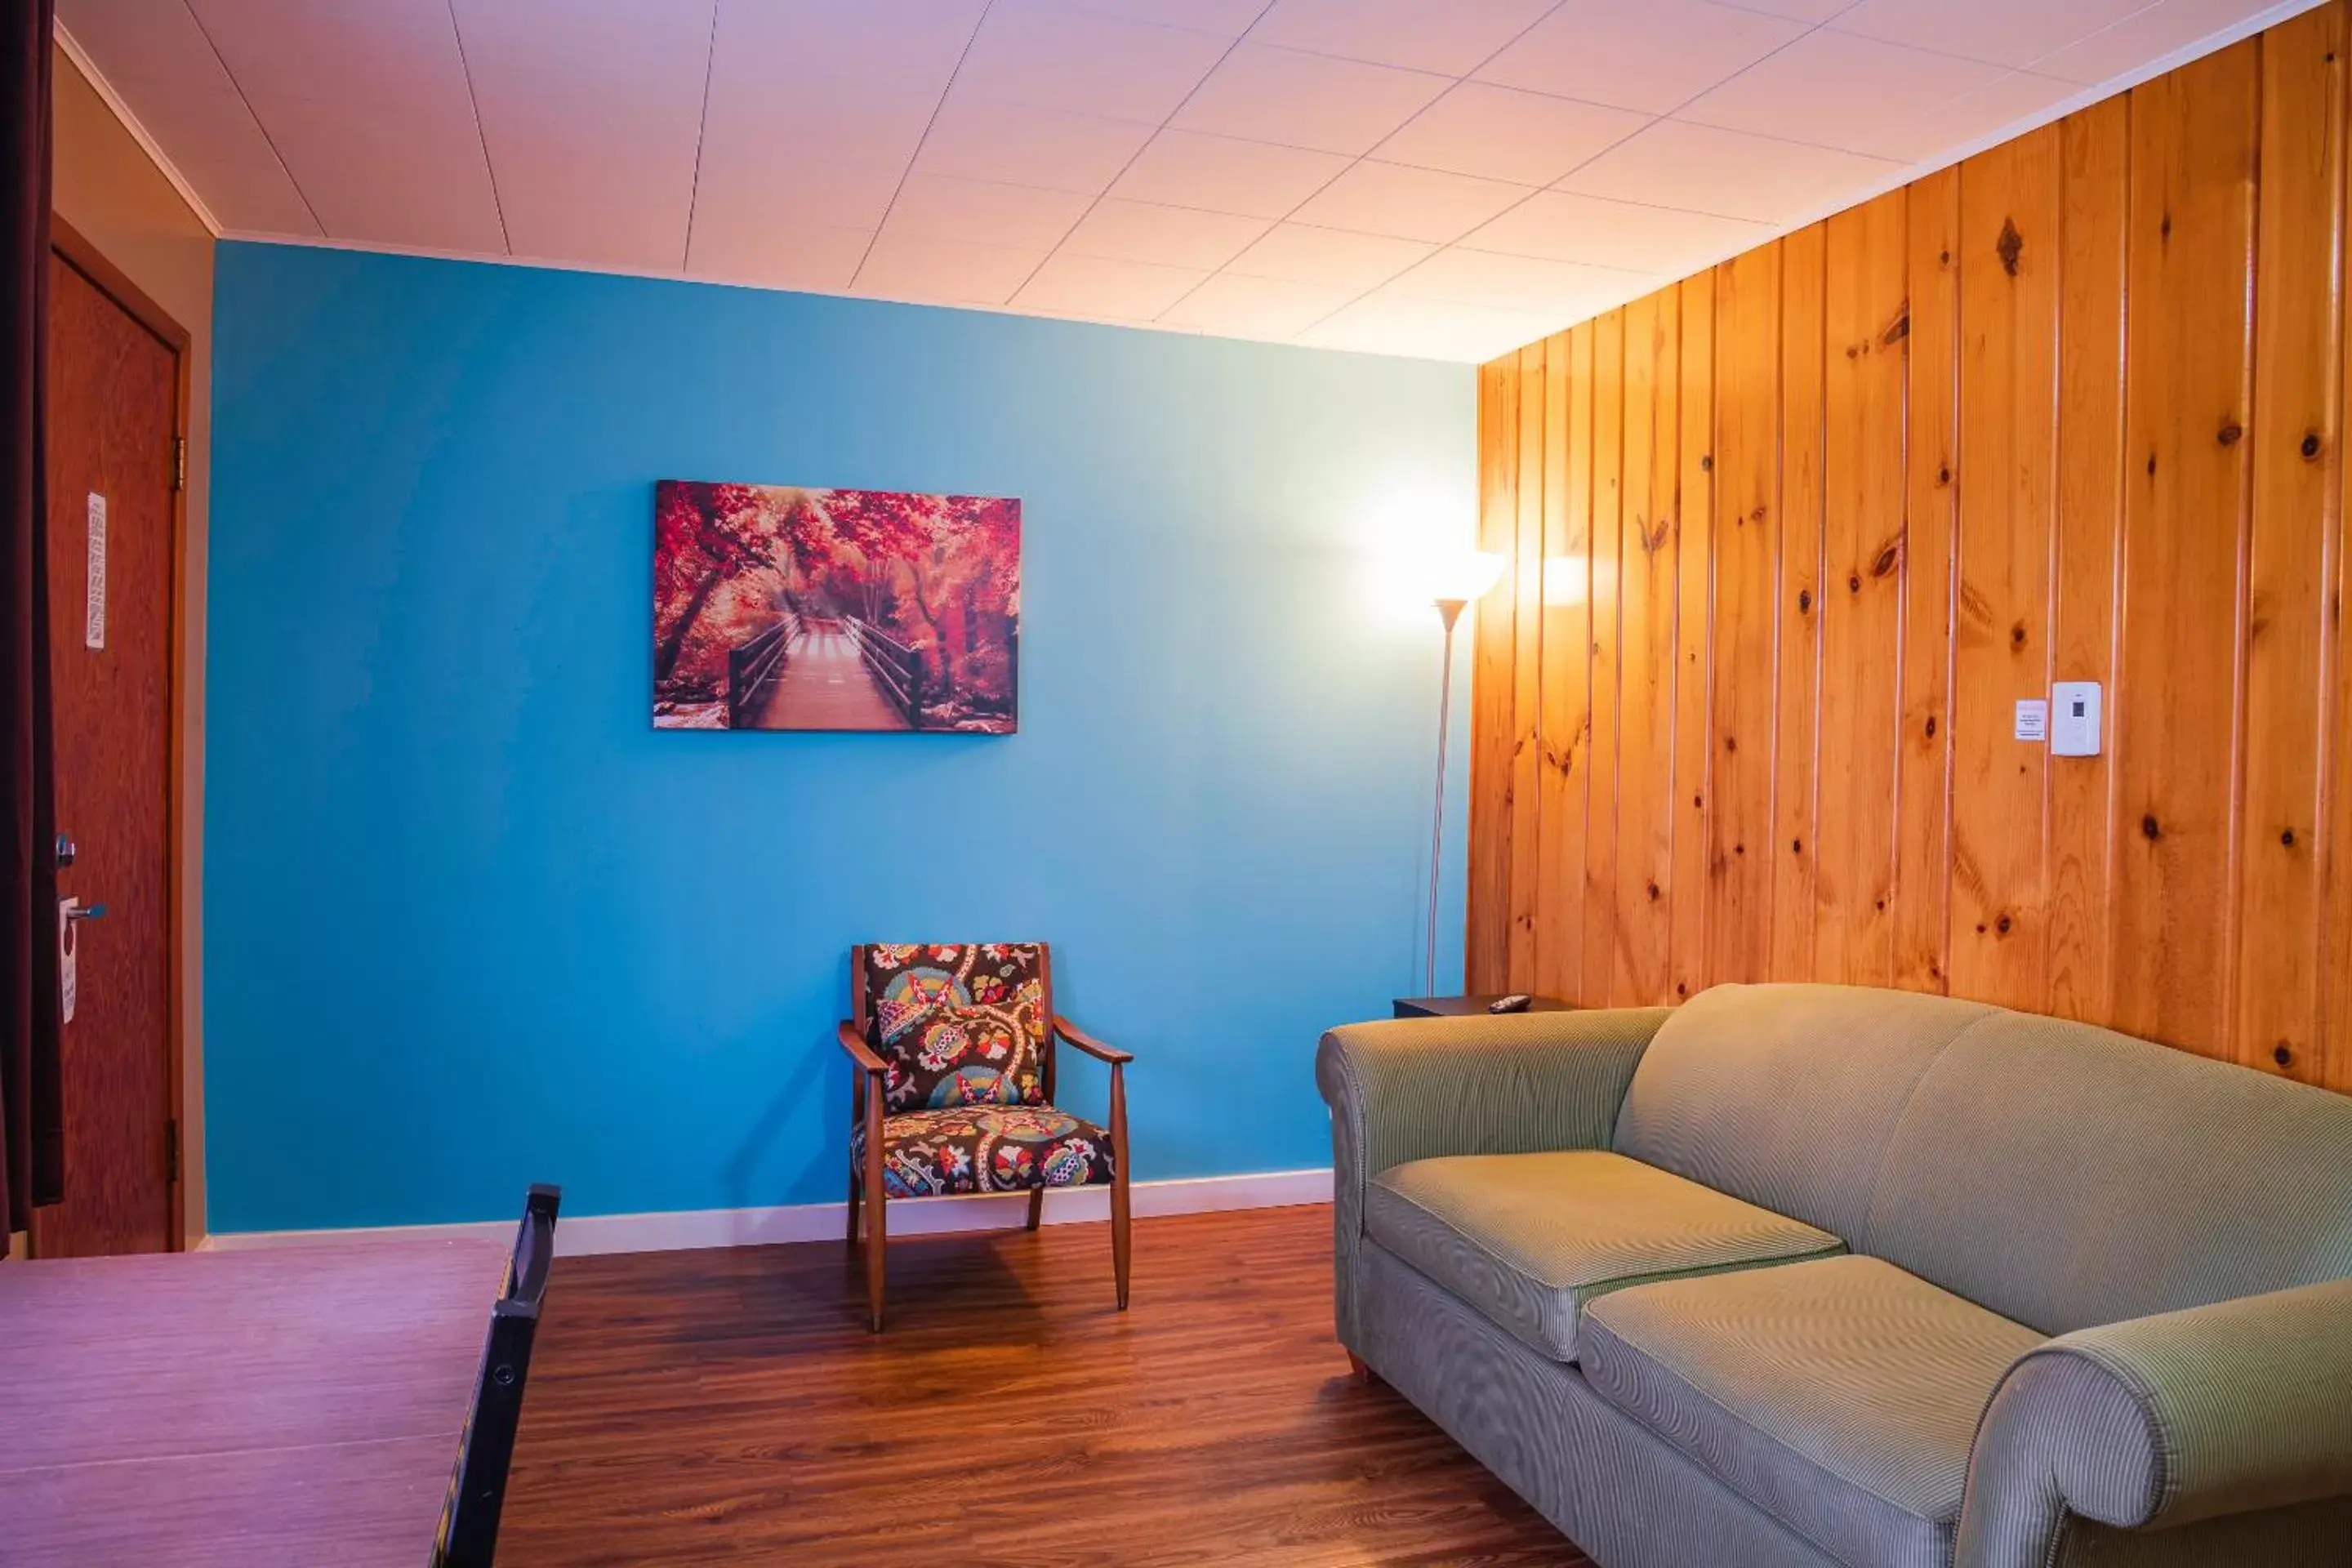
(729, 1406)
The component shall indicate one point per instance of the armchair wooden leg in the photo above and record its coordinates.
(877, 1227)
(1036, 1206)
(853, 1210)
(1119, 1176)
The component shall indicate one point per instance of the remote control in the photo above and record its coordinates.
(1518, 1002)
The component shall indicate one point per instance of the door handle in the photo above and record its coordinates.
(87, 912)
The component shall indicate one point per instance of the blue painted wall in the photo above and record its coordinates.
(471, 921)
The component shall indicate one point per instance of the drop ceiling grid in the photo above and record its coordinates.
(1437, 177)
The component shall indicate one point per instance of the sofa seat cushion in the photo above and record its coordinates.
(1530, 1238)
(1839, 1396)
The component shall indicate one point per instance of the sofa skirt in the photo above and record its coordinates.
(1622, 1494)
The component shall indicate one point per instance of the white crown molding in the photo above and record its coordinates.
(586, 1234)
(147, 145)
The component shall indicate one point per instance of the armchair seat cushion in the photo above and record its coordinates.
(1839, 1396)
(1529, 1239)
(985, 1148)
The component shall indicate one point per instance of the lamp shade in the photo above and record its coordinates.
(1458, 578)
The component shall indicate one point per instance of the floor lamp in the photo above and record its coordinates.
(1470, 579)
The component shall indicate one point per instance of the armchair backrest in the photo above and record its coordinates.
(957, 1023)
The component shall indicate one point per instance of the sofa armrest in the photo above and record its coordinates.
(1412, 1088)
(2168, 1420)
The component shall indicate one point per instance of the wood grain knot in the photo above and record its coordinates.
(2017, 636)
(1796, 846)
(1732, 742)
(1653, 892)
(1706, 462)
(1739, 850)
(2010, 247)
(1944, 475)
(1804, 601)
(2310, 448)
(2151, 464)
(2287, 837)
(2002, 925)
(1888, 560)
(2163, 229)
(2149, 828)
(1897, 330)
(1931, 728)
(1854, 582)
(2229, 434)
(2284, 1055)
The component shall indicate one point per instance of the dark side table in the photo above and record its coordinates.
(1469, 1006)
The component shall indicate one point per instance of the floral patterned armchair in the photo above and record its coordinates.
(953, 1046)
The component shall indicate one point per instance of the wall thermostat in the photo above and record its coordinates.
(2074, 722)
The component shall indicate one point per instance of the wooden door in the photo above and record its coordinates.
(113, 423)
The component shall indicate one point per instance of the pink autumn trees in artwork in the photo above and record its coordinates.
(928, 584)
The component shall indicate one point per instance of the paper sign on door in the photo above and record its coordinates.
(69, 982)
(93, 611)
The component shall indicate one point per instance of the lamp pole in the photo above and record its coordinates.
(1449, 611)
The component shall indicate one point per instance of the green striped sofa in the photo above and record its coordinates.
(1811, 1275)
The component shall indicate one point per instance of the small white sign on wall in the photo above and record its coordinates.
(93, 609)
(2032, 719)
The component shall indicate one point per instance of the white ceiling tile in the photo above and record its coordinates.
(944, 271)
(135, 38)
(1799, 10)
(1729, 172)
(1055, 56)
(1300, 100)
(1651, 57)
(1565, 291)
(612, 185)
(392, 176)
(1426, 329)
(2006, 32)
(983, 139)
(1560, 226)
(347, 52)
(1022, 217)
(1226, 18)
(798, 49)
(1222, 173)
(1408, 204)
(193, 115)
(1170, 237)
(828, 146)
(1298, 253)
(1971, 117)
(2144, 35)
(249, 198)
(1504, 133)
(783, 253)
(1246, 307)
(1100, 287)
(1453, 39)
(1834, 89)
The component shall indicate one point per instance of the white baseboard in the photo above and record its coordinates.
(678, 1230)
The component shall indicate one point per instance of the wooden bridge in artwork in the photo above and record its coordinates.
(821, 672)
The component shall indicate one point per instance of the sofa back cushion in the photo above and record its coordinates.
(1786, 1096)
(2065, 1175)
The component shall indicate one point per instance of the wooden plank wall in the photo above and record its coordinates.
(1793, 536)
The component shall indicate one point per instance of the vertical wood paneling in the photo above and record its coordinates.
(1797, 689)
(2097, 149)
(1799, 533)
(2187, 369)
(2010, 256)
(1861, 607)
(1931, 462)
(2295, 449)
(1567, 657)
(1527, 665)
(1609, 418)
(1694, 629)
(1646, 603)
(1747, 498)
(1487, 945)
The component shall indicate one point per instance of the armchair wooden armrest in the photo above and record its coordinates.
(859, 1051)
(1089, 1044)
